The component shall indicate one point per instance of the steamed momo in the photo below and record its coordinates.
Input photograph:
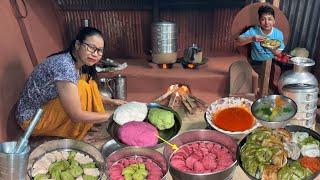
(132, 111)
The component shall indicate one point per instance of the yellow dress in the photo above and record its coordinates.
(55, 122)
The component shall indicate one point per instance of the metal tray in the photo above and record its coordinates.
(167, 134)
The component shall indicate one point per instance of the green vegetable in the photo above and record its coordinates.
(41, 177)
(162, 119)
(66, 176)
(89, 177)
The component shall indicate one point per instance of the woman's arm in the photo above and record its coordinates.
(107, 100)
(70, 101)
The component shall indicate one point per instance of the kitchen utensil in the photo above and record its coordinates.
(23, 141)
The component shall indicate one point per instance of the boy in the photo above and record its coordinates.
(256, 34)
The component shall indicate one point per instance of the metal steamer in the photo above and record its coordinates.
(164, 42)
(302, 87)
(306, 97)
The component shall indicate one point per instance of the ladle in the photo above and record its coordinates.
(23, 141)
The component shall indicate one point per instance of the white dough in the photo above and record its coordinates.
(310, 150)
(131, 111)
(297, 137)
(65, 155)
(91, 171)
(82, 159)
(39, 170)
(58, 155)
(51, 157)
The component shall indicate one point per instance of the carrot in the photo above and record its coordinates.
(312, 163)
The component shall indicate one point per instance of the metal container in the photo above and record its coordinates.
(115, 87)
(290, 128)
(299, 74)
(164, 42)
(13, 166)
(163, 38)
(272, 99)
(167, 134)
(67, 145)
(202, 135)
(126, 152)
(306, 98)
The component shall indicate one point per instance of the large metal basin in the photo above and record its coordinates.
(202, 135)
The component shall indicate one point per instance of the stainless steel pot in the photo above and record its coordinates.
(13, 166)
(299, 74)
(164, 42)
(115, 87)
(126, 152)
(202, 135)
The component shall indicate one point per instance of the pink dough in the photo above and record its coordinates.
(200, 157)
(138, 134)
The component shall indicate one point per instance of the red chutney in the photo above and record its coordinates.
(233, 119)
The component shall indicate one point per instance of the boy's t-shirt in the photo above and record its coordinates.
(259, 53)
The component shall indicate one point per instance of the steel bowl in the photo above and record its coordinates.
(202, 135)
(66, 145)
(109, 147)
(167, 134)
(291, 128)
(125, 152)
(227, 102)
(272, 98)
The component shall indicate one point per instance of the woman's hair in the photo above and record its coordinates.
(265, 10)
(82, 35)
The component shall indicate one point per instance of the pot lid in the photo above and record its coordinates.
(300, 87)
(302, 61)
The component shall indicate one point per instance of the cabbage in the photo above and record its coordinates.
(161, 118)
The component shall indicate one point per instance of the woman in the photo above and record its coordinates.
(71, 103)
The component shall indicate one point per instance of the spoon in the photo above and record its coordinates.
(173, 146)
(23, 141)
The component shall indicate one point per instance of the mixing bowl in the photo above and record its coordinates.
(267, 105)
(202, 135)
(228, 102)
(167, 134)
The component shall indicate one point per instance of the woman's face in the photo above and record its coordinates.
(90, 51)
(266, 22)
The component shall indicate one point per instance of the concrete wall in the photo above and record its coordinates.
(43, 28)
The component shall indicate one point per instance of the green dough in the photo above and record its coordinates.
(41, 177)
(135, 172)
(88, 177)
(162, 119)
(66, 176)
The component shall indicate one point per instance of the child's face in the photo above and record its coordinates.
(267, 21)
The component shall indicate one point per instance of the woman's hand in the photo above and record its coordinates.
(118, 101)
(258, 38)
